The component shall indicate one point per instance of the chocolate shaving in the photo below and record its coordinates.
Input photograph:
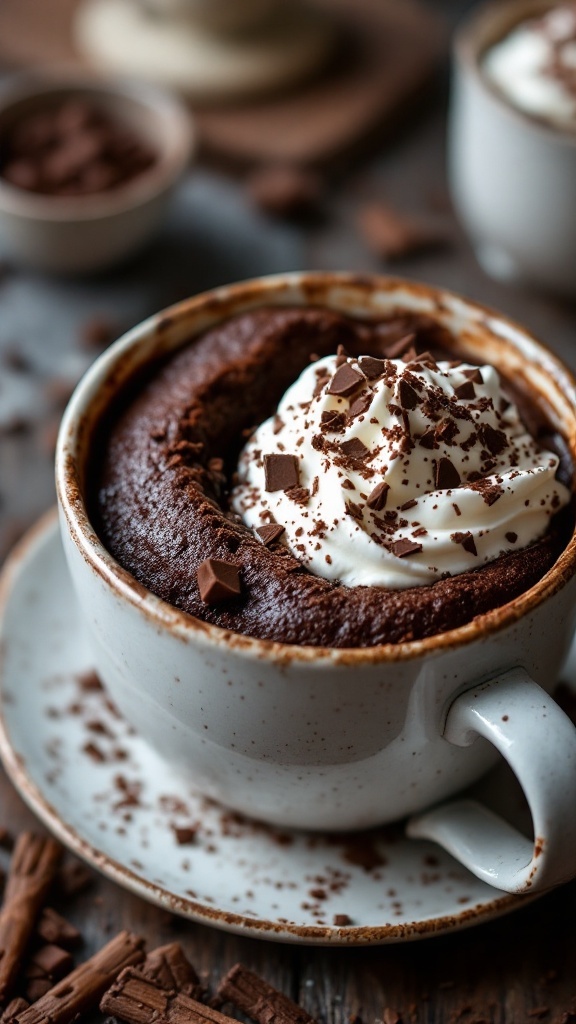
(80, 990)
(269, 533)
(185, 835)
(138, 999)
(354, 448)
(378, 496)
(280, 472)
(218, 580)
(466, 540)
(404, 547)
(32, 870)
(408, 504)
(259, 1000)
(345, 381)
(341, 920)
(372, 367)
(447, 476)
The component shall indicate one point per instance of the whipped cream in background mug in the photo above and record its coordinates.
(512, 140)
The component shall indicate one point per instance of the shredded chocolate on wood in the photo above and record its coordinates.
(259, 1000)
(269, 533)
(169, 968)
(218, 580)
(137, 999)
(83, 987)
(345, 381)
(32, 870)
(280, 472)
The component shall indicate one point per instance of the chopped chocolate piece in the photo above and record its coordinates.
(32, 870)
(360, 405)
(185, 836)
(345, 381)
(354, 448)
(371, 367)
(51, 961)
(447, 476)
(489, 490)
(408, 396)
(269, 533)
(80, 990)
(511, 537)
(354, 510)
(281, 472)
(341, 920)
(301, 495)
(465, 391)
(169, 968)
(378, 496)
(137, 999)
(400, 346)
(218, 580)
(466, 540)
(392, 235)
(403, 547)
(53, 928)
(98, 332)
(494, 440)
(74, 877)
(285, 191)
(341, 355)
(258, 999)
(332, 420)
(428, 439)
(474, 375)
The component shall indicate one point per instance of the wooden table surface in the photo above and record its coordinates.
(519, 968)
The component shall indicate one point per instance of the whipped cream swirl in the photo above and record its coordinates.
(394, 474)
(534, 66)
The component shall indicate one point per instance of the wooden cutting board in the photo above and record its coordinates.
(389, 52)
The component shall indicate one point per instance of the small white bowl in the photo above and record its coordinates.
(80, 234)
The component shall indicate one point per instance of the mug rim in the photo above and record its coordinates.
(469, 47)
(257, 292)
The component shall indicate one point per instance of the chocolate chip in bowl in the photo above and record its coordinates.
(87, 167)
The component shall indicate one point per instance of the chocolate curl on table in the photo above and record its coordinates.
(136, 999)
(81, 990)
(258, 999)
(32, 870)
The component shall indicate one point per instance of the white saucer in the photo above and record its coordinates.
(111, 799)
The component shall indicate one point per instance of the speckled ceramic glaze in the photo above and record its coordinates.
(343, 739)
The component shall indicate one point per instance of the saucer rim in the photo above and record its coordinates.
(45, 532)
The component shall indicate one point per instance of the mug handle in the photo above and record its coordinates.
(539, 743)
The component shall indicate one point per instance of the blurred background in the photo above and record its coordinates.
(318, 141)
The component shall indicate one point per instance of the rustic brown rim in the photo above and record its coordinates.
(485, 26)
(44, 531)
(252, 293)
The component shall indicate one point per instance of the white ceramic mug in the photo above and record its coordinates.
(512, 178)
(343, 738)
